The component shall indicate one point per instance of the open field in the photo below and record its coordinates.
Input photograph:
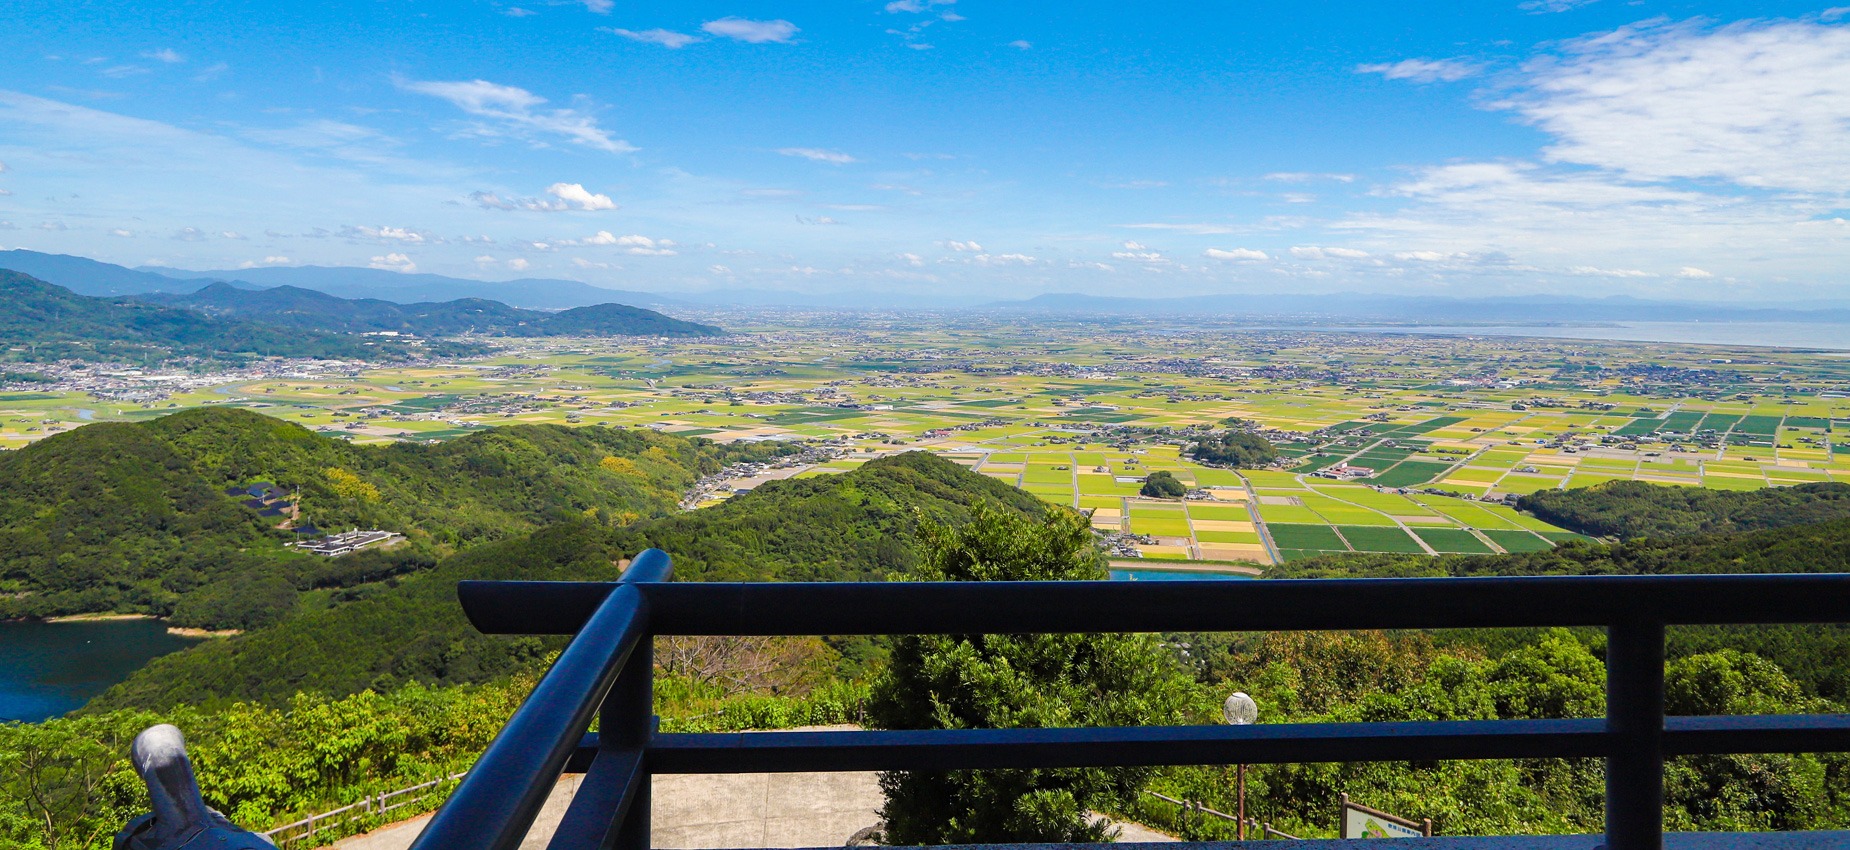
(1078, 415)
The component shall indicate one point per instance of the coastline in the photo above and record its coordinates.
(177, 631)
(92, 618)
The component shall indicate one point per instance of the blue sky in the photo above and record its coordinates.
(970, 149)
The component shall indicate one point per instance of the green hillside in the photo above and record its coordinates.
(857, 525)
(133, 517)
(1627, 509)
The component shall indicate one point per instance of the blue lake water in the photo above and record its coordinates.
(48, 669)
(1174, 575)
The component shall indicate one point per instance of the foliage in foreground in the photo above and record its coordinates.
(66, 784)
(1010, 681)
(1373, 677)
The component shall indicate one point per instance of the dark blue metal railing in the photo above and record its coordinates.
(607, 669)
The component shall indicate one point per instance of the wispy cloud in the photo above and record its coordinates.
(565, 196)
(165, 54)
(520, 111)
(666, 38)
(1542, 7)
(1247, 254)
(1424, 70)
(752, 32)
(1762, 103)
(818, 155)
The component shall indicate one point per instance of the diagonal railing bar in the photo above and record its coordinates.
(606, 670)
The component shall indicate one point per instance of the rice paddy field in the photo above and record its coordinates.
(1078, 414)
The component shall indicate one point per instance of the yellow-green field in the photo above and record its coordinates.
(1078, 415)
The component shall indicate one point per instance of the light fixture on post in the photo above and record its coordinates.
(1240, 710)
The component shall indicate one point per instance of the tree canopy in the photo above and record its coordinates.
(1008, 681)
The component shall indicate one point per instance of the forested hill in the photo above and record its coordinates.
(132, 516)
(857, 525)
(44, 322)
(1628, 509)
(295, 307)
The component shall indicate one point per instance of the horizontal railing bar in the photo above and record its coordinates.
(1761, 733)
(1128, 746)
(843, 608)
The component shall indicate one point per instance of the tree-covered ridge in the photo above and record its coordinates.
(1627, 509)
(45, 322)
(130, 517)
(295, 307)
(857, 525)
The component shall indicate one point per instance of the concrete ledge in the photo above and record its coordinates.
(1672, 841)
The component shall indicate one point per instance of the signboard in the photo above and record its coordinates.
(1359, 821)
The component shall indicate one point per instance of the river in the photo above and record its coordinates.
(48, 669)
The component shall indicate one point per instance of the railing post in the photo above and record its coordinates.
(626, 722)
(1635, 722)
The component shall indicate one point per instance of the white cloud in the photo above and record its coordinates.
(1551, 6)
(266, 261)
(386, 234)
(1307, 176)
(189, 234)
(577, 197)
(3, 168)
(394, 263)
(666, 38)
(1693, 273)
(1764, 104)
(750, 31)
(517, 12)
(601, 7)
(120, 232)
(631, 244)
(1235, 254)
(912, 259)
(1594, 271)
(1423, 70)
(718, 269)
(1432, 256)
(518, 264)
(1312, 252)
(1195, 229)
(1021, 44)
(818, 155)
(5, 192)
(1139, 252)
(165, 54)
(230, 234)
(915, 5)
(967, 247)
(518, 110)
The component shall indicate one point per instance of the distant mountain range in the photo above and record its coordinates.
(90, 277)
(295, 307)
(44, 322)
(1353, 306)
(532, 293)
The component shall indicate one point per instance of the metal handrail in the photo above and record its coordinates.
(608, 664)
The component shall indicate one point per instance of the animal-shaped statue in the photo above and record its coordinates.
(180, 820)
